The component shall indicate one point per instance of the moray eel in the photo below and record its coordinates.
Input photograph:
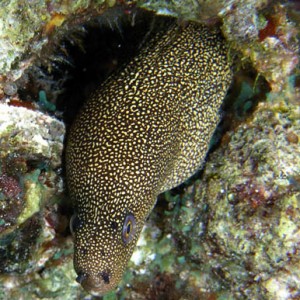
(145, 130)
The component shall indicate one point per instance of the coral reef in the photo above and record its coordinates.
(233, 233)
(31, 148)
(260, 30)
(268, 38)
(27, 33)
(230, 232)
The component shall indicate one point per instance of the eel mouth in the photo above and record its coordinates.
(96, 285)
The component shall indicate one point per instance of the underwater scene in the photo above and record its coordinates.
(149, 149)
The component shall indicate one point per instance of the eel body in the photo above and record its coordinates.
(143, 131)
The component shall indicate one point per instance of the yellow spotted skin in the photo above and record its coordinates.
(145, 130)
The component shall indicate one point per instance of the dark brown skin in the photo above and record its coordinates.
(144, 131)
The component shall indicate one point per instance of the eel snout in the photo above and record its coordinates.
(97, 284)
(98, 270)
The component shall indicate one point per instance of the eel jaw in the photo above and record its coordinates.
(96, 285)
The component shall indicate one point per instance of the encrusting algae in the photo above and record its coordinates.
(145, 130)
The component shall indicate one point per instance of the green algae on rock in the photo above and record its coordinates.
(145, 130)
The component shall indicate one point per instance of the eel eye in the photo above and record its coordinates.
(75, 223)
(129, 228)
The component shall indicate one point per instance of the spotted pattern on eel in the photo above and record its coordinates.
(145, 130)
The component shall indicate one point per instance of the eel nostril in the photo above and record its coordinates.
(105, 276)
(81, 277)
